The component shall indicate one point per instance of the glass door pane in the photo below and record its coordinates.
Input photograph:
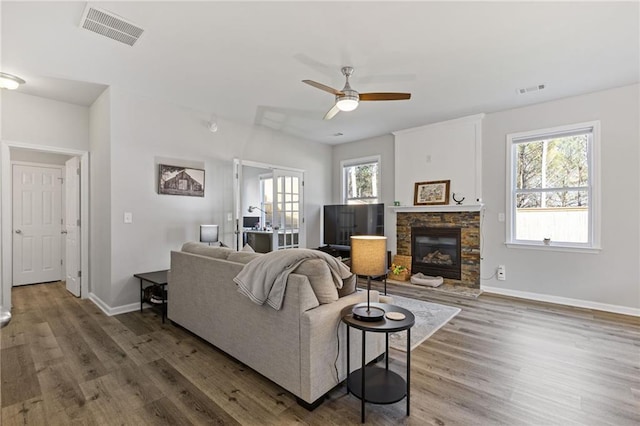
(287, 209)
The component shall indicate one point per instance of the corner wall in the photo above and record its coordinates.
(382, 146)
(144, 133)
(608, 280)
(30, 120)
(100, 197)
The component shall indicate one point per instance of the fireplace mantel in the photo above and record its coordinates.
(438, 209)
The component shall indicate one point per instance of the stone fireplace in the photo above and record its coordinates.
(445, 243)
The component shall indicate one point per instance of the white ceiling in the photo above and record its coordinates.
(245, 61)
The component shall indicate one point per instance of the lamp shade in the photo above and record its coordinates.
(209, 234)
(369, 255)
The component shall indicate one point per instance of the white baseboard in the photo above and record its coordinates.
(113, 311)
(625, 310)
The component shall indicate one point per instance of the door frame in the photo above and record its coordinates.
(6, 219)
(237, 195)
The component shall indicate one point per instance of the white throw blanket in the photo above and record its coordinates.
(264, 279)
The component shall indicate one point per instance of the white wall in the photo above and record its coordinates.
(382, 146)
(144, 132)
(100, 197)
(127, 137)
(31, 119)
(34, 121)
(251, 189)
(450, 150)
(610, 277)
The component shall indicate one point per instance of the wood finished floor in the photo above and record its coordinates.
(500, 361)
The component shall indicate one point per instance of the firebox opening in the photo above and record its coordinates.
(436, 251)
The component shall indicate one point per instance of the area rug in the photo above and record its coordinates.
(430, 317)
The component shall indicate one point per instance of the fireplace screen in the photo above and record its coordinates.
(436, 251)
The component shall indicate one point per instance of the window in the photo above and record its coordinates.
(553, 188)
(360, 180)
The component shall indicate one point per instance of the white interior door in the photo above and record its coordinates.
(72, 228)
(288, 214)
(37, 204)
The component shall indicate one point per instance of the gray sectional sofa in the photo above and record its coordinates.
(297, 346)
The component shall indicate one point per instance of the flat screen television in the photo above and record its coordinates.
(341, 221)
(250, 221)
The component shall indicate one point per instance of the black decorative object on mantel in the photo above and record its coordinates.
(458, 202)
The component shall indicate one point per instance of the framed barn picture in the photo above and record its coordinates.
(431, 193)
(177, 180)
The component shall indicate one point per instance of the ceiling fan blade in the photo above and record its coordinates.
(384, 96)
(322, 87)
(331, 113)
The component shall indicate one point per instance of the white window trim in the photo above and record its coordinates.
(356, 162)
(595, 188)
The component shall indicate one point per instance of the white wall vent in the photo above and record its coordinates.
(530, 89)
(105, 23)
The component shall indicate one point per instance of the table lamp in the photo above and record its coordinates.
(368, 257)
(209, 234)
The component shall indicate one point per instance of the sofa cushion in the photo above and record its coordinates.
(242, 256)
(205, 250)
(348, 286)
(247, 248)
(319, 275)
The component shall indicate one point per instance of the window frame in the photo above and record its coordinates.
(264, 215)
(358, 162)
(594, 187)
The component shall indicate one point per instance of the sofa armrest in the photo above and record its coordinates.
(323, 345)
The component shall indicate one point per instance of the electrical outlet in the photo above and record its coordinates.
(501, 217)
(502, 273)
(128, 217)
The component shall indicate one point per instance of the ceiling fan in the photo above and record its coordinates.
(347, 99)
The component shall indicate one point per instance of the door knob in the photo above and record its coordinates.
(18, 231)
(63, 232)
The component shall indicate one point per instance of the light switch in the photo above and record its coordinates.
(128, 217)
(229, 217)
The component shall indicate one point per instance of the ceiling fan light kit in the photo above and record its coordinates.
(348, 99)
(347, 103)
(9, 81)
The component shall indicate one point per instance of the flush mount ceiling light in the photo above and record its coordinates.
(11, 82)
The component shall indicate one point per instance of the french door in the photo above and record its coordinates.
(287, 209)
(288, 204)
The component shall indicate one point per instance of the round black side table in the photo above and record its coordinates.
(375, 384)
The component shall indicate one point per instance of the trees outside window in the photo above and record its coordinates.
(360, 178)
(552, 186)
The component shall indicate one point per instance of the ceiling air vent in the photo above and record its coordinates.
(109, 25)
(531, 89)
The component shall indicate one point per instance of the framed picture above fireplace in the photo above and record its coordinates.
(431, 193)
